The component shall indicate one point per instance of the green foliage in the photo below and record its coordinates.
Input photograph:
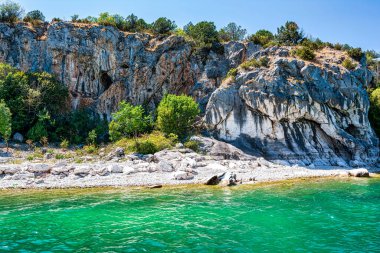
(163, 26)
(59, 156)
(193, 145)
(203, 33)
(232, 32)
(305, 53)
(176, 114)
(74, 18)
(10, 12)
(90, 149)
(290, 34)
(356, 53)
(128, 121)
(135, 24)
(147, 143)
(92, 137)
(64, 144)
(40, 129)
(316, 44)
(348, 64)
(34, 15)
(5, 121)
(56, 20)
(28, 94)
(253, 63)
(262, 37)
(75, 126)
(232, 73)
(374, 110)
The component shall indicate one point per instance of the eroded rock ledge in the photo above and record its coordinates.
(301, 112)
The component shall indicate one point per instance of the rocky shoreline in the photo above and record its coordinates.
(216, 163)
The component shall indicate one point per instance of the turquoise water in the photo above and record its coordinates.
(320, 216)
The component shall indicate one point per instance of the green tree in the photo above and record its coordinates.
(374, 110)
(177, 114)
(40, 128)
(92, 136)
(128, 121)
(10, 12)
(5, 122)
(163, 26)
(34, 15)
(262, 37)
(232, 32)
(135, 24)
(290, 34)
(203, 33)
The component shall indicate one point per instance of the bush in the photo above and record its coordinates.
(232, 73)
(64, 144)
(176, 114)
(290, 34)
(232, 32)
(163, 26)
(5, 122)
(253, 63)
(262, 37)
(128, 121)
(148, 143)
(203, 33)
(348, 64)
(313, 44)
(90, 149)
(374, 110)
(34, 15)
(305, 53)
(134, 24)
(92, 137)
(193, 145)
(10, 12)
(356, 53)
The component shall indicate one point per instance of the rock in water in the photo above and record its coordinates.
(297, 111)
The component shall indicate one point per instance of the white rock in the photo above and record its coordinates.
(165, 166)
(115, 168)
(181, 175)
(39, 168)
(358, 173)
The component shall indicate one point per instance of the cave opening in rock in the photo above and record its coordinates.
(105, 80)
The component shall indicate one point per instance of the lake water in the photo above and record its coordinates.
(317, 216)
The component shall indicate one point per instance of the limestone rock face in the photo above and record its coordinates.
(302, 112)
(102, 66)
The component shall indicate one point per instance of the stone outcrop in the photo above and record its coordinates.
(102, 66)
(302, 112)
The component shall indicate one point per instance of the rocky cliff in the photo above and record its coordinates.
(302, 112)
(102, 65)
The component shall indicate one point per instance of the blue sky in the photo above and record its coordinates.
(356, 22)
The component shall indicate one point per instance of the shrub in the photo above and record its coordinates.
(40, 129)
(56, 20)
(59, 156)
(74, 18)
(134, 24)
(356, 53)
(232, 32)
(262, 62)
(348, 64)
(146, 147)
(44, 141)
(338, 46)
(374, 110)
(5, 122)
(10, 12)
(232, 73)
(148, 143)
(203, 33)
(193, 145)
(305, 53)
(313, 44)
(128, 121)
(176, 114)
(90, 149)
(262, 37)
(64, 144)
(163, 26)
(92, 136)
(34, 15)
(290, 34)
